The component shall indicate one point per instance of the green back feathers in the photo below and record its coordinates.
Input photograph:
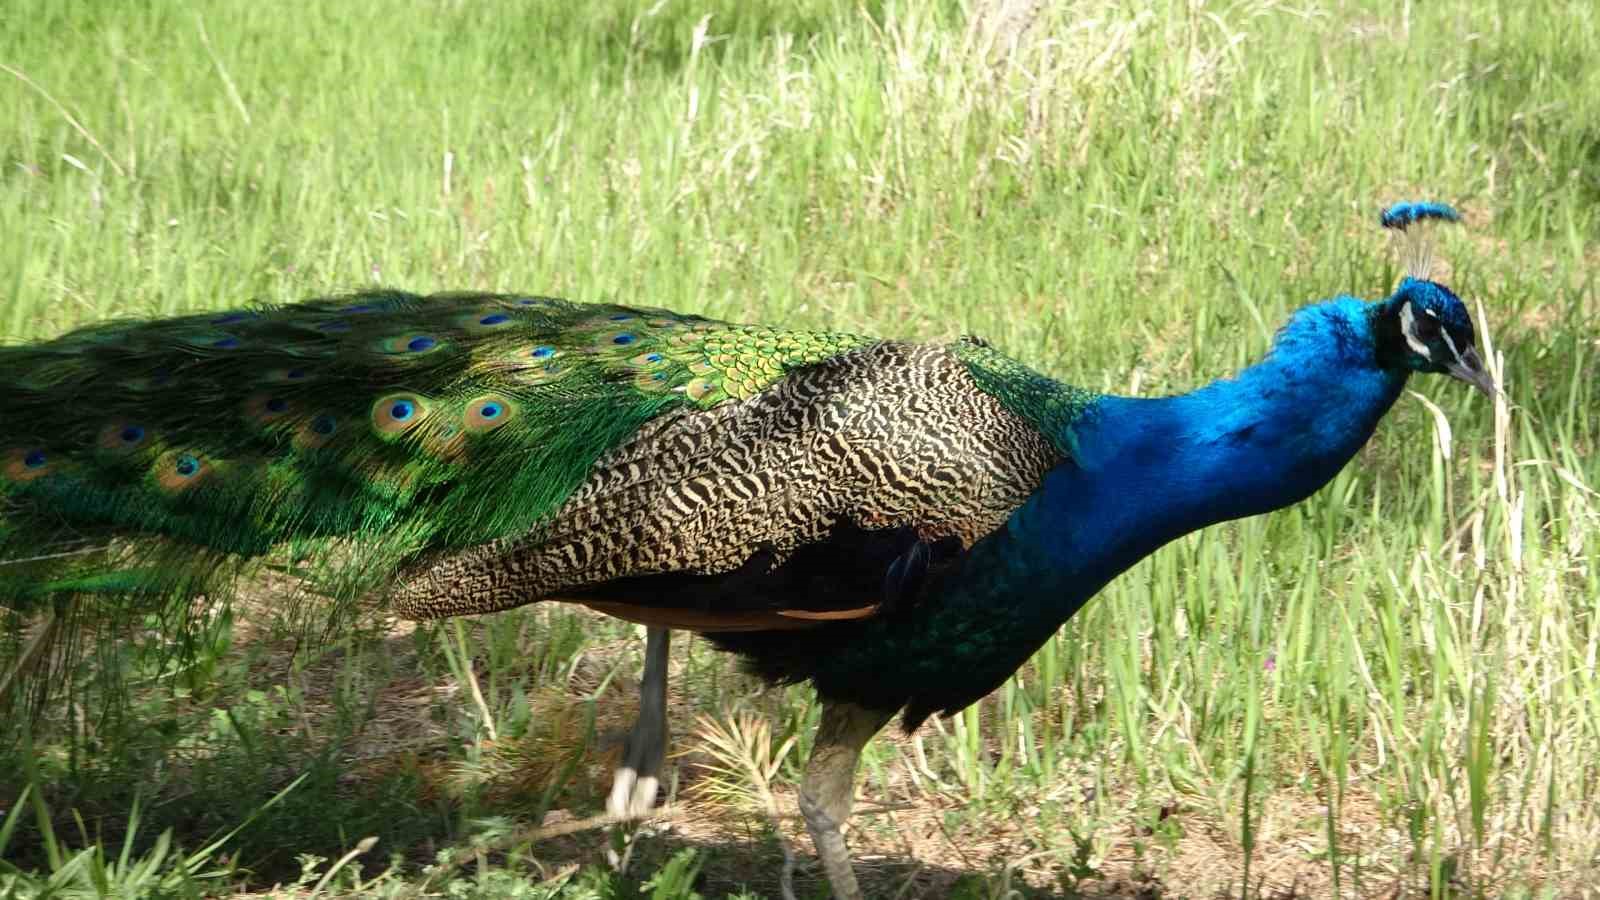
(395, 423)
(1049, 405)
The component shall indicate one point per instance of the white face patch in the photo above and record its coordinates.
(1408, 320)
(1450, 342)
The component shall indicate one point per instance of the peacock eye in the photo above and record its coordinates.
(1425, 327)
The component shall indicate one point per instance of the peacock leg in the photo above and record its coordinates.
(633, 792)
(633, 788)
(829, 787)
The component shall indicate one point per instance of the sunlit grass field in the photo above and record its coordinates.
(1388, 690)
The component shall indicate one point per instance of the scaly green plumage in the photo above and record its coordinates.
(1048, 404)
(393, 423)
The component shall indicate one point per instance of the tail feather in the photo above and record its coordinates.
(146, 464)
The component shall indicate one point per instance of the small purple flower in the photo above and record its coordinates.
(1271, 664)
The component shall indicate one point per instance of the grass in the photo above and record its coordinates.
(1390, 688)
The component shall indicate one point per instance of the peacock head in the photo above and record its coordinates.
(1424, 326)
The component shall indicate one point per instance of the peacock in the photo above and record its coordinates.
(899, 523)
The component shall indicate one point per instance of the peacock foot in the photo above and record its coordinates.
(637, 781)
(632, 796)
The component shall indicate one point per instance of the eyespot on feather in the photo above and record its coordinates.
(486, 413)
(484, 320)
(122, 437)
(287, 376)
(616, 340)
(699, 389)
(25, 465)
(413, 344)
(266, 408)
(396, 414)
(544, 374)
(652, 382)
(649, 360)
(316, 432)
(180, 470)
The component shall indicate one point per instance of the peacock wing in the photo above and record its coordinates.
(830, 493)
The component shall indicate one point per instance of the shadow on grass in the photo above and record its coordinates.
(374, 751)
(751, 866)
(425, 842)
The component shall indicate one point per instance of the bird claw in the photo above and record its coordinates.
(632, 797)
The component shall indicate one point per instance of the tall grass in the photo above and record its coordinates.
(1390, 686)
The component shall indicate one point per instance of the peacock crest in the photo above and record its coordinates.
(1415, 224)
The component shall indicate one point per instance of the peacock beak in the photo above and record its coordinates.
(1469, 368)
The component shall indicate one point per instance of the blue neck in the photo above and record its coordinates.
(1147, 471)
(1140, 473)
